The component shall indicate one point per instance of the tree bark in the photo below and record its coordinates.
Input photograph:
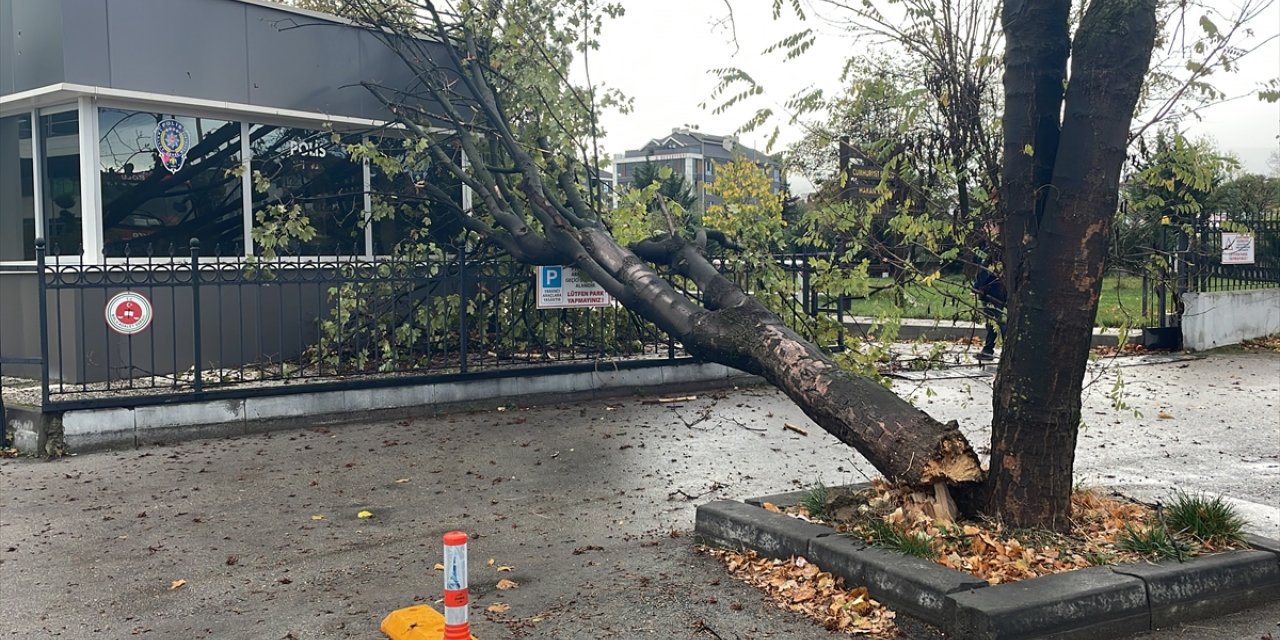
(1057, 273)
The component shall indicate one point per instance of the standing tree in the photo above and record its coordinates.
(1065, 137)
(499, 89)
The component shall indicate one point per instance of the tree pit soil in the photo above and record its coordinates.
(982, 548)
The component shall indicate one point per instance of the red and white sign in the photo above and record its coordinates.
(1237, 248)
(128, 313)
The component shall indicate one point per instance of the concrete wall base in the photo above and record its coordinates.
(1229, 317)
(37, 433)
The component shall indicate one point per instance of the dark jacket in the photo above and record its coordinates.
(987, 284)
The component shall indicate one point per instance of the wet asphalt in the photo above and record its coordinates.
(588, 506)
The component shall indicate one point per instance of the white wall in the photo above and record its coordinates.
(1229, 317)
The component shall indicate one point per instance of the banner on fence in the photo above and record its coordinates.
(565, 288)
(1237, 248)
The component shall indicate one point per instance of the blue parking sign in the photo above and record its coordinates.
(552, 277)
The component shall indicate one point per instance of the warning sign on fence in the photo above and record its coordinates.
(565, 288)
(1237, 248)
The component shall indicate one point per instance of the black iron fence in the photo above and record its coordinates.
(229, 327)
(1219, 253)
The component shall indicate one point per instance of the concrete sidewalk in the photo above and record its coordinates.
(587, 503)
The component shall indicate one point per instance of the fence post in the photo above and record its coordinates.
(463, 295)
(197, 355)
(42, 297)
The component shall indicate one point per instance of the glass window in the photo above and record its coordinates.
(415, 201)
(308, 169)
(167, 179)
(17, 192)
(60, 142)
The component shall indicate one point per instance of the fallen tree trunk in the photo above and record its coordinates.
(902, 442)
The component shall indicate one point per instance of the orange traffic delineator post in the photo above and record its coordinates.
(457, 626)
(425, 623)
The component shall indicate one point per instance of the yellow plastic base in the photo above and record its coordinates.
(415, 623)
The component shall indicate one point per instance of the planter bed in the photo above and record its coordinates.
(1094, 603)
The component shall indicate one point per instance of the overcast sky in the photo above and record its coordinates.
(661, 51)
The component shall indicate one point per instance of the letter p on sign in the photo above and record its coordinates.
(552, 277)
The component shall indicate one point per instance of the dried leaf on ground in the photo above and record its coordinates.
(364, 515)
(801, 586)
(498, 607)
(177, 584)
(989, 551)
(505, 584)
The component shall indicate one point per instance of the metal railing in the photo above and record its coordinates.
(1191, 260)
(232, 327)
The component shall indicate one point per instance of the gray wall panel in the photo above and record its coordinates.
(37, 43)
(222, 50)
(190, 48)
(298, 63)
(6, 47)
(86, 48)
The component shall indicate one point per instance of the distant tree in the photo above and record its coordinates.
(673, 186)
(1169, 186)
(1247, 195)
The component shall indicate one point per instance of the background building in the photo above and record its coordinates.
(693, 155)
(130, 127)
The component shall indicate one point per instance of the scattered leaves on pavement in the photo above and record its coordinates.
(801, 586)
(1269, 343)
(505, 584)
(498, 607)
(1129, 349)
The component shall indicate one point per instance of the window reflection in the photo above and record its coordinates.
(307, 168)
(60, 143)
(148, 206)
(419, 203)
(17, 193)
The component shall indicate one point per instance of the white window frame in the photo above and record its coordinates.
(88, 105)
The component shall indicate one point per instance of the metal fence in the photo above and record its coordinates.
(231, 327)
(1200, 258)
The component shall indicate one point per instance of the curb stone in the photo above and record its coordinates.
(1207, 586)
(1086, 604)
(732, 524)
(915, 586)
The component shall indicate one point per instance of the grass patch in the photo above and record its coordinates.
(1155, 541)
(1211, 521)
(815, 500)
(889, 536)
(950, 299)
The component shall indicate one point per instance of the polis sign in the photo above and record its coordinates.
(129, 313)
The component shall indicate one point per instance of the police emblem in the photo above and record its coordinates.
(172, 143)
